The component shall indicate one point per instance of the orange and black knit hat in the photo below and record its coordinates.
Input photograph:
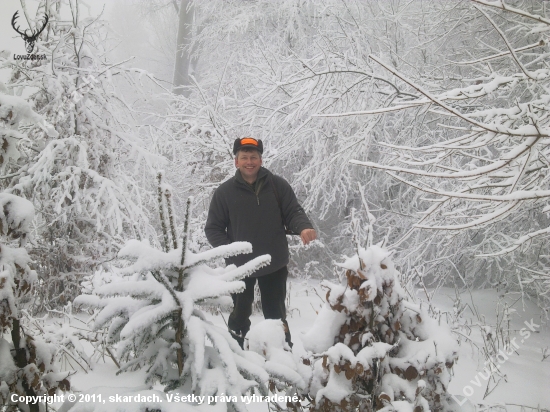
(248, 142)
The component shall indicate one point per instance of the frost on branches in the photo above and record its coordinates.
(378, 351)
(25, 361)
(481, 155)
(152, 315)
(83, 168)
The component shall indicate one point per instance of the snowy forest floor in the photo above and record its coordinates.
(526, 372)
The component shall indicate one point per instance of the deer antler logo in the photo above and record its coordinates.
(29, 39)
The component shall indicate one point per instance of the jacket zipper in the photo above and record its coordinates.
(257, 191)
(259, 185)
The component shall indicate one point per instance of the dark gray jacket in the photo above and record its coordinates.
(238, 213)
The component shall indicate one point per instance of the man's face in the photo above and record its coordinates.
(249, 164)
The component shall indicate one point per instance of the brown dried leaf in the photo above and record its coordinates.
(411, 373)
(357, 324)
(384, 398)
(338, 307)
(35, 383)
(350, 372)
(351, 279)
(65, 385)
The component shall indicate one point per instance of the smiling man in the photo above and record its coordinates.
(256, 206)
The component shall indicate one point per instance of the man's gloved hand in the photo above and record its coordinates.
(308, 235)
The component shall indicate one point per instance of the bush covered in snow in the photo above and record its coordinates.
(374, 349)
(152, 316)
(26, 361)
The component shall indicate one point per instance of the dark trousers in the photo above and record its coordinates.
(273, 294)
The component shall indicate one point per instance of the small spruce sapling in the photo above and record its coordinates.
(375, 349)
(153, 317)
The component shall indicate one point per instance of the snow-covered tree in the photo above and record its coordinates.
(183, 70)
(373, 348)
(84, 181)
(26, 361)
(298, 75)
(479, 157)
(285, 72)
(153, 317)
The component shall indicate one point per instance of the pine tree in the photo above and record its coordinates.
(378, 350)
(26, 362)
(152, 314)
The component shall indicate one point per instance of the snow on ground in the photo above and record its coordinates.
(527, 379)
(527, 376)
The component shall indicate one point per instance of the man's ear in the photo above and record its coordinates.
(236, 160)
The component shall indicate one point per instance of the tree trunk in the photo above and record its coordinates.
(183, 51)
(21, 362)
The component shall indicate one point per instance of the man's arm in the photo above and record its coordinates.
(217, 221)
(293, 212)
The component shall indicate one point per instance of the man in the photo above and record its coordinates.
(254, 206)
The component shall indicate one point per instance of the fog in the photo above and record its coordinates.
(140, 31)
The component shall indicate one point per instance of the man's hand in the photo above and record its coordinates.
(308, 235)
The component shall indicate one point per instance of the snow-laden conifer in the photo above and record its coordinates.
(153, 316)
(26, 361)
(375, 349)
(83, 172)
